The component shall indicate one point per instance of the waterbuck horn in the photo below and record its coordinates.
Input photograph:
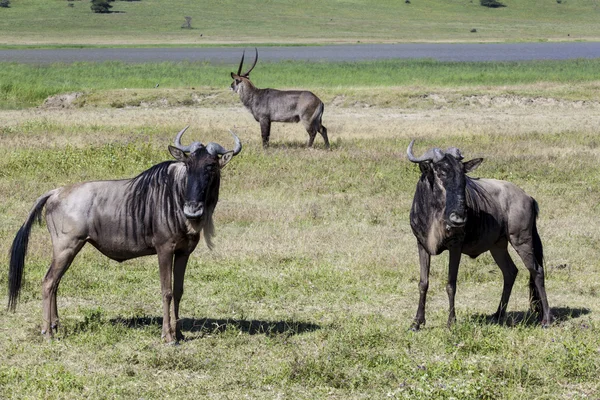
(434, 154)
(253, 65)
(241, 63)
(188, 149)
(216, 149)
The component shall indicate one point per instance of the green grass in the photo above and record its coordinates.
(23, 85)
(314, 249)
(312, 285)
(146, 22)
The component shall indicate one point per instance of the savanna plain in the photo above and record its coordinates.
(313, 282)
(312, 285)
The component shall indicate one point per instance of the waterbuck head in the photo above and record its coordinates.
(446, 175)
(203, 166)
(239, 79)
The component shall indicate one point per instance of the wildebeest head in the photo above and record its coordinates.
(203, 166)
(446, 175)
(239, 77)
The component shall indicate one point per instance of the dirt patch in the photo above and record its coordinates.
(63, 100)
(508, 101)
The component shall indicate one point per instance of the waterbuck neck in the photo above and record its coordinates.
(247, 92)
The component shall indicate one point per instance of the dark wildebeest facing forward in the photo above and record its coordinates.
(161, 211)
(272, 105)
(453, 212)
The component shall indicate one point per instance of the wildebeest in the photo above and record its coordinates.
(161, 211)
(464, 215)
(272, 105)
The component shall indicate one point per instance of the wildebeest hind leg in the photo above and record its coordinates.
(509, 273)
(62, 257)
(536, 281)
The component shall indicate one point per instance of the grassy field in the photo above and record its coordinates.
(398, 82)
(150, 22)
(312, 286)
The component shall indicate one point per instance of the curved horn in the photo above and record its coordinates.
(241, 63)
(253, 65)
(177, 141)
(216, 149)
(454, 152)
(434, 154)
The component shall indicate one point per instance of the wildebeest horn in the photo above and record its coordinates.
(434, 154)
(241, 63)
(253, 65)
(216, 149)
(188, 149)
(454, 152)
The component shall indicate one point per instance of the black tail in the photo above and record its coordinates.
(19, 249)
(538, 249)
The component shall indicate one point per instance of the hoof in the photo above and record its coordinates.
(416, 326)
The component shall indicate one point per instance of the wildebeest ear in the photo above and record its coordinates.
(178, 153)
(234, 76)
(225, 158)
(472, 165)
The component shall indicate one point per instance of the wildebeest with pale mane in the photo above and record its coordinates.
(272, 105)
(161, 211)
(464, 215)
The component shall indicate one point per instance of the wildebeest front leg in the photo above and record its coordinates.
(265, 131)
(178, 275)
(509, 273)
(451, 285)
(165, 266)
(424, 263)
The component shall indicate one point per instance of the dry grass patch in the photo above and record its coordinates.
(313, 248)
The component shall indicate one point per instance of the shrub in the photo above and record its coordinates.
(100, 6)
(491, 3)
(5, 3)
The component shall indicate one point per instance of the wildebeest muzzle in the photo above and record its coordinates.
(193, 209)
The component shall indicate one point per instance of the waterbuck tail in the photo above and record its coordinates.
(318, 115)
(18, 251)
(538, 249)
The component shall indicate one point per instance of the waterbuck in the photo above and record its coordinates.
(463, 215)
(272, 105)
(161, 211)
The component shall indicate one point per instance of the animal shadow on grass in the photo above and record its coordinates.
(211, 326)
(295, 145)
(528, 318)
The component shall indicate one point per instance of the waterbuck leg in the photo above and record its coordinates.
(323, 132)
(165, 266)
(62, 258)
(265, 131)
(536, 279)
(312, 133)
(509, 273)
(424, 263)
(178, 274)
(451, 285)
